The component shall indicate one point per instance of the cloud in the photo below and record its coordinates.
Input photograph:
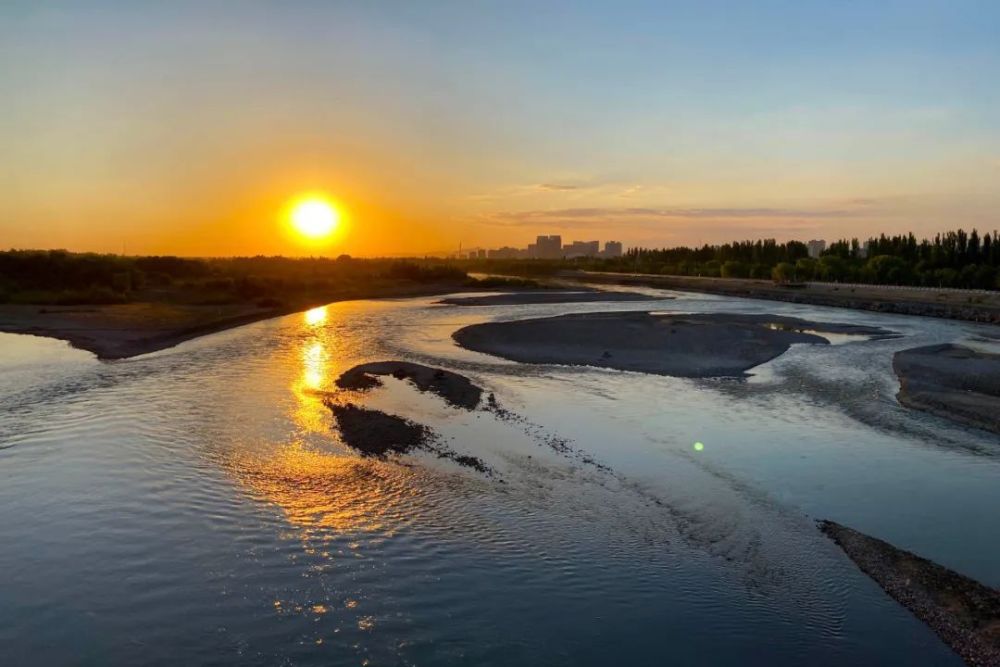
(597, 216)
(557, 186)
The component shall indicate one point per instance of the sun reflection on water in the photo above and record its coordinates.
(313, 365)
(315, 316)
(323, 490)
(309, 412)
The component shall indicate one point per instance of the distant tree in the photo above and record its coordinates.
(832, 268)
(887, 270)
(734, 269)
(805, 268)
(946, 277)
(783, 272)
(941, 260)
(712, 268)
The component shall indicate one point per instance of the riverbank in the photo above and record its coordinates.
(684, 345)
(951, 381)
(964, 613)
(949, 304)
(119, 331)
(545, 297)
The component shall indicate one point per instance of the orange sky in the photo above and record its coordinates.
(187, 128)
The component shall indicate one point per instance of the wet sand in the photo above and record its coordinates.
(548, 296)
(456, 389)
(951, 381)
(378, 434)
(964, 613)
(683, 345)
(375, 433)
(126, 330)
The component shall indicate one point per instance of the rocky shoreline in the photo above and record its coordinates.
(964, 613)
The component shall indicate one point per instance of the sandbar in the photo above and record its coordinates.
(951, 381)
(454, 388)
(546, 297)
(680, 345)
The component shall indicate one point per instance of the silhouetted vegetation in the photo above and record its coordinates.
(58, 277)
(953, 259)
(502, 282)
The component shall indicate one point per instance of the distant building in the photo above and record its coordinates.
(503, 253)
(548, 247)
(581, 249)
(863, 250)
(816, 248)
(551, 247)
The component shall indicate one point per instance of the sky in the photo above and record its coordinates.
(187, 128)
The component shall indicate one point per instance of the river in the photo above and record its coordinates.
(196, 506)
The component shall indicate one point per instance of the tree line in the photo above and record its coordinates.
(951, 259)
(59, 277)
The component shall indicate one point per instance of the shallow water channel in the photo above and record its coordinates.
(196, 505)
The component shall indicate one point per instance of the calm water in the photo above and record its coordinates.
(195, 506)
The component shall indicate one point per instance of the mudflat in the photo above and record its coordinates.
(454, 388)
(125, 330)
(379, 434)
(547, 296)
(682, 345)
(951, 381)
(375, 433)
(964, 613)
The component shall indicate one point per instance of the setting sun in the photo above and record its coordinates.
(315, 218)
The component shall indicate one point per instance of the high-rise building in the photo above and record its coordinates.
(505, 252)
(548, 247)
(581, 249)
(613, 249)
(816, 248)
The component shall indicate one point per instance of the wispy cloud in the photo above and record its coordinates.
(596, 216)
(558, 186)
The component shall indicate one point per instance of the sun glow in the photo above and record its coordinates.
(315, 316)
(315, 218)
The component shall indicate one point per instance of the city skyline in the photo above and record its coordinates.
(546, 246)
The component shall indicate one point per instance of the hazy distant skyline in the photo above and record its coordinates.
(186, 127)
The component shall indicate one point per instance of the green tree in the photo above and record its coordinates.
(805, 268)
(832, 268)
(888, 270)
(783, 272)
(733, 269)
